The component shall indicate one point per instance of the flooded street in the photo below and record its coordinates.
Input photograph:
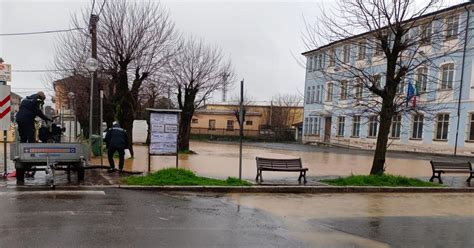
(371, 220)
(221, 160)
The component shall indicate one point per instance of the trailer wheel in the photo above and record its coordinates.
(80, 173)
(20, 176)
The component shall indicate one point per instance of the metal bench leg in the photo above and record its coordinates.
(432, 177)
(259, 174)
(470, 177)
(439, 178)
(299, 178)
(304, 176)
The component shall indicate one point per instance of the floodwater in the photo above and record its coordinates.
(371, 220)
(221, 160)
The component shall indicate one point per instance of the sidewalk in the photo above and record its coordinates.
(100, 178)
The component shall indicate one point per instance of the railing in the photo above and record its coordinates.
(262, 134)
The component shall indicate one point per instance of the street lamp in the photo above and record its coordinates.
(91, 65)
(72, 100)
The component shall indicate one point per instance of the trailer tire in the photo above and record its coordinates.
(20, 176)
(80, 173)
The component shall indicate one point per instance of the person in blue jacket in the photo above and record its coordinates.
(116, 140)
(30, 107)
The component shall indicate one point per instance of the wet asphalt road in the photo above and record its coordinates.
(123, 218)
(109, 217)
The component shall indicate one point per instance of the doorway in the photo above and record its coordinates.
(327, 129)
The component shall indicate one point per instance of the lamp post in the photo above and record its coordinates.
(72, 100)
(91, 65)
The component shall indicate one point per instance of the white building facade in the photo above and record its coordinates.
(330, 115)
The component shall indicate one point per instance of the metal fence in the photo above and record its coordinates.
(262, 134)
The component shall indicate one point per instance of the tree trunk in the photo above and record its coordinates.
(382, 139)
(126, 120)
(185, 129)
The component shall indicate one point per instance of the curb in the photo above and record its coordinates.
(297, 189)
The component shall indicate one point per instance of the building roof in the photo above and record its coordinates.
(368, 32)
(251, 104)
(224, 112)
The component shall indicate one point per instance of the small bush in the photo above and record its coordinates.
(173, 176)
(379, 180)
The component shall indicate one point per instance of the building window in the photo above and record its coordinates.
(316, 125)
(373, 124)
(362, 50)
(340, 125)
(310, 126)
(442, 125)
(305, 126)
(358, 90)
(308, 95)
(447, 76)
(378, 49)
(248, 123)
(425, 33)
(452, 24)
(319, 61)
(318, 91)
(194, 121)
(417, 130)
(310, 63)
(313, 91)
(376, 81)
(471, 127)
(356, 126)
(329, 92)
(332, 57)
(230, 125)
(347, 53)
(343, 93)
(401, 87)
(422, 78)
(396, 126)
(212, 124)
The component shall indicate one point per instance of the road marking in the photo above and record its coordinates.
(54, 192)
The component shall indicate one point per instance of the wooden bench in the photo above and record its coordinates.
(271, 164)
(439, 167)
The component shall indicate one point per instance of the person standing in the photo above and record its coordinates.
(116, 140)
(30, 107)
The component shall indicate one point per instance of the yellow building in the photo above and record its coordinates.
(221, 119)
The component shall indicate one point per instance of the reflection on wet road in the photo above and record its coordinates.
(372, 220)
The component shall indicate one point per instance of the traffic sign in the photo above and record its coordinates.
(5, 107)
(5, 72)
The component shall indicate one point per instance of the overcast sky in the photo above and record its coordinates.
(261, 38)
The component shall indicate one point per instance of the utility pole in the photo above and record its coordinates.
(241, 125)
(95, 89)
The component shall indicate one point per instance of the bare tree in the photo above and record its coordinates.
(285, 110)
(135, 41)
(195, 73)
(235, 101)
(391, 39)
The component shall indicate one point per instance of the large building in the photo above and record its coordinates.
(220, 118)
(331, 114)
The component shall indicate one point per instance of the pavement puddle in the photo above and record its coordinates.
(316, 218)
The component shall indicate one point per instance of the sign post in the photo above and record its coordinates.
(5, 109)
(163, 129)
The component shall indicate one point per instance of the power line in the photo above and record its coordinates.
(45, 70)
(42, 32)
